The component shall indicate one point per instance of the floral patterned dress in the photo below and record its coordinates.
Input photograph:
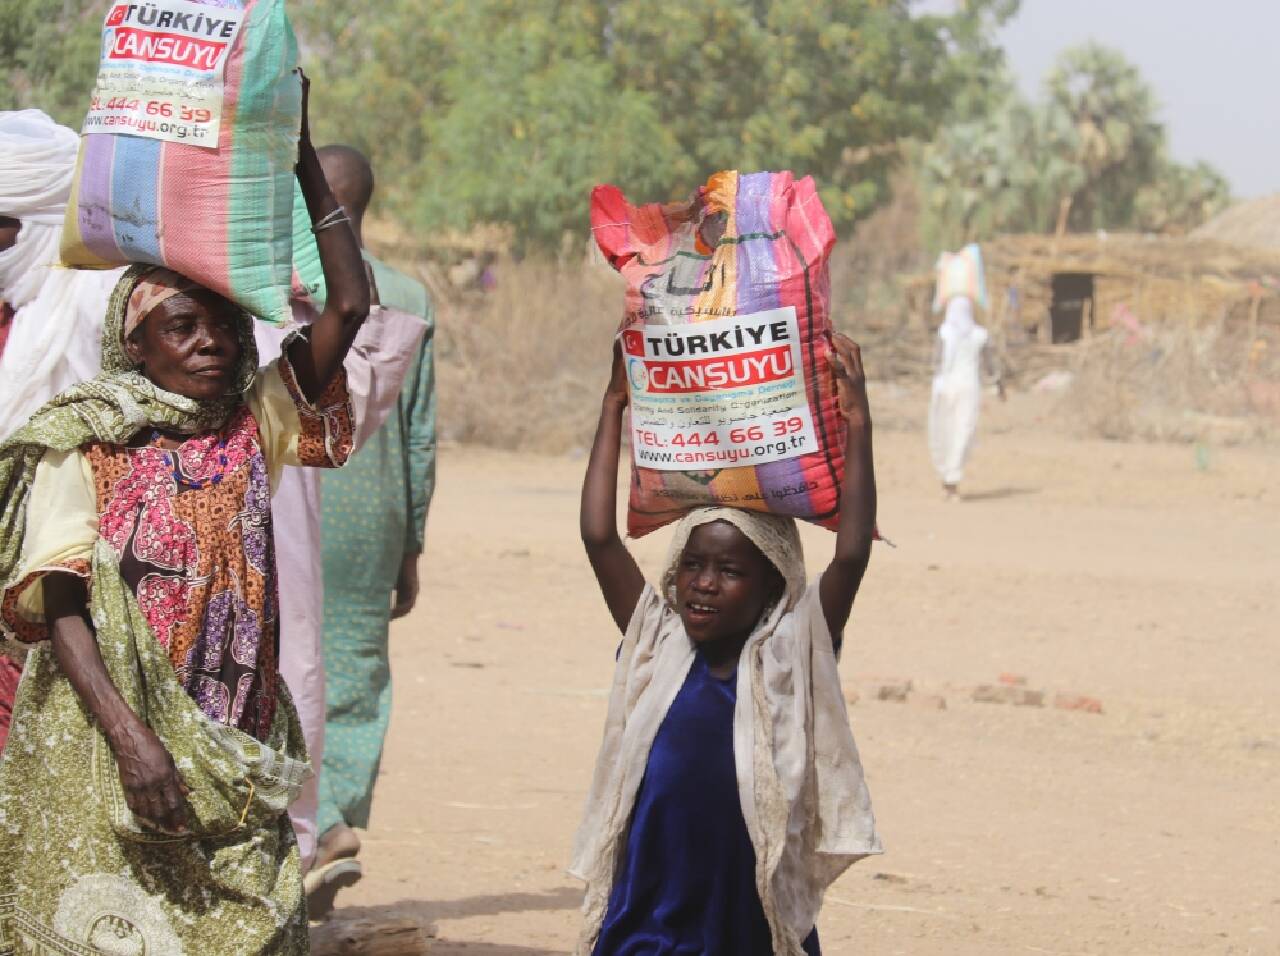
(191, 530)
(180, 540)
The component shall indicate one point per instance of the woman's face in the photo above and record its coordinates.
(189, 344)
(723, 583)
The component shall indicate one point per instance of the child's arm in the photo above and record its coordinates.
(620, 579)
(839, 584)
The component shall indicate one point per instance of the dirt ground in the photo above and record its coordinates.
(1144, 576)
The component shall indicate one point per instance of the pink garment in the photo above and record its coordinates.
(376, 366)
(10, 671)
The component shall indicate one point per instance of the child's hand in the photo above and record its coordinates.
(619, 390)
(851, 380)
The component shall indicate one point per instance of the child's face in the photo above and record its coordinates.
(723, 583)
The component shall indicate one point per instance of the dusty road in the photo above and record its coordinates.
(1138, 575)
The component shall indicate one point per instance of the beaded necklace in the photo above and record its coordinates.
(171, 457)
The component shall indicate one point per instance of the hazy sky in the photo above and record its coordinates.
(1212, 64)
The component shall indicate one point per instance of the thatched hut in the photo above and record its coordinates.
(1254, 224)
(1057, 290)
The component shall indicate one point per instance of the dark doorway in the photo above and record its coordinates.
(1072, 306)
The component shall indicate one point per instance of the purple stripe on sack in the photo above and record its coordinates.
(757, 270)
(778, 476)
(95, 196)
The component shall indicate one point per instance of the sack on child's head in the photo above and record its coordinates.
(960, 274)
(726, 338)
(188, 149)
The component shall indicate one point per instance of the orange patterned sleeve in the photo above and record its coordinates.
(326, 436)
(295, 431)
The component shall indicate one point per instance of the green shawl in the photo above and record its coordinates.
(112, 408)
(234, 884)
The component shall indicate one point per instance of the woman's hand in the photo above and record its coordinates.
(407, 586)
(304, 132)
(153, 789)
(317, 358)
(851, 380)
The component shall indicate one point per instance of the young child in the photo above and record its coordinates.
(728, 793)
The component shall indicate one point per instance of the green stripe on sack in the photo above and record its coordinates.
(264, 150)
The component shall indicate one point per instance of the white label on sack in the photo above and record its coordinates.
(162, 70)
(718, 394)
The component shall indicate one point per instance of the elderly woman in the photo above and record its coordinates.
(154, 749)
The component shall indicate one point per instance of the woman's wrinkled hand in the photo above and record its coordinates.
(304, 132)
(153, 789)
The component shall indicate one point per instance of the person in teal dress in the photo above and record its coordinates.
(373, 522)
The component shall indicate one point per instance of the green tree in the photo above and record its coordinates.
(828, 87)
(1089, 155)
(1181, 198)
(1099, 122)
(980, 174)
(50, 56)
(500, 110)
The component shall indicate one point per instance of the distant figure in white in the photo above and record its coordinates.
(959, 357)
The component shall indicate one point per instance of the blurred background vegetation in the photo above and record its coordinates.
(504, 113)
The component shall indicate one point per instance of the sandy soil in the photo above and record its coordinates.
(1144, 576)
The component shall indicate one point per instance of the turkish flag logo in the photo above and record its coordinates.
(633, 342)
(117, 15)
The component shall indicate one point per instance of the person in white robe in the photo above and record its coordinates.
(54, 337)
(960, 354)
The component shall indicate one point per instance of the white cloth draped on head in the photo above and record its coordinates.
(801, 788)
(57, 322)
(775, 535)
(956, 325)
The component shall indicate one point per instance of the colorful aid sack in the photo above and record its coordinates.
(960, 273)
(726, 339)
(188, 149)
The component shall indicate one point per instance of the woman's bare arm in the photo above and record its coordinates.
(152, 787)
(857, 527)
(616, 570)
(317, 356)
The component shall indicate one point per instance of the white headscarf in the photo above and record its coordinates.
(776, 536)
(800, 782)
(57, 323)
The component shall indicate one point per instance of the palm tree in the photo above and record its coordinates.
(1098, 130)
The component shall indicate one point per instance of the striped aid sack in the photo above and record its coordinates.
(188, 149)
(726, 339)
(960, 273)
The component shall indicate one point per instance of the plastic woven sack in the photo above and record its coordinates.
(726, 342)
(960, 273)
(188, 149)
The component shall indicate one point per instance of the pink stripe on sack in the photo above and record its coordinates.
(195, 193)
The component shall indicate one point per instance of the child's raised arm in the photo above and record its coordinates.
(839, 584)
(620, 579)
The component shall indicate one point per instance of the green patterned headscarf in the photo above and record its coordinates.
(112, 407)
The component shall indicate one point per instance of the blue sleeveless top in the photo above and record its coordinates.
(686, 883)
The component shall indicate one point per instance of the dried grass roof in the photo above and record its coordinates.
(1128, 254)
(1254, 223)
